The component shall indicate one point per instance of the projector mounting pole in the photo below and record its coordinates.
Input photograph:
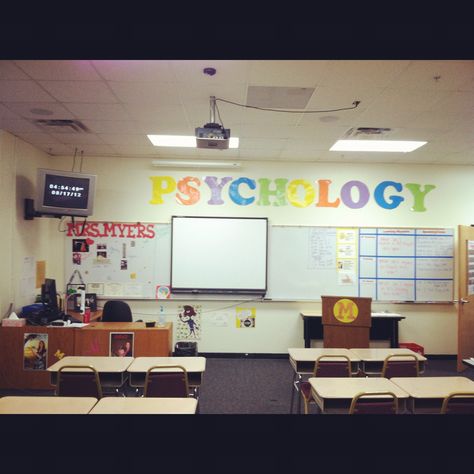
(212, 118)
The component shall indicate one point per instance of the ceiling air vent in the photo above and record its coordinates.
(61, 125)
(367, 132)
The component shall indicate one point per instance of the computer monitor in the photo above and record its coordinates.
(49, 295)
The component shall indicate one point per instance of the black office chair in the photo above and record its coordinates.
(116, 311)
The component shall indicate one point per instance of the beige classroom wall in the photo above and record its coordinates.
(24, 243)
(125, 190)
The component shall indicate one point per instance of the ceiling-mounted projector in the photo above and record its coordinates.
(212, 135)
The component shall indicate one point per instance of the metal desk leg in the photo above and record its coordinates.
(294, 388)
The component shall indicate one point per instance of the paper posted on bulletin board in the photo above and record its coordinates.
(129, 260)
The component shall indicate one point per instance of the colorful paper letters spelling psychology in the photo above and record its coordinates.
(301, 193)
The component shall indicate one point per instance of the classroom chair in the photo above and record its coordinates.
(83, 381)
(394, 367)
(172, 383)
(117, 311)
(325, 368)
(458, 403)
(374, 403)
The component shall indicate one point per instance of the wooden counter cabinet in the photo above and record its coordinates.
(94, 339)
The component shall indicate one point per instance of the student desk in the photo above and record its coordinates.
(469, 362)
(148, 406)
(195, 367)
(427, 393)
(112, 370)
(303, 359)
(384, 326)
(334, 394)
(46, 405)
(372, 359)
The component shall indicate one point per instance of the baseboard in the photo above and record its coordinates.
(441, 356)
(242, 355)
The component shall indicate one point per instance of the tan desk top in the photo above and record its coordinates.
(311, 354)
(46, 405)
(378, 354)
(100, 363)
(115, 326)
(433, 387)
(302, 359)
(141, 405)
(348, 387)
(191, 364)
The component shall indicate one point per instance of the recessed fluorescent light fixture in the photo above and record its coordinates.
(400, 146)
(184, 141)
(195, 164)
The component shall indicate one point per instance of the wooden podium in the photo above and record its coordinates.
(346, 321)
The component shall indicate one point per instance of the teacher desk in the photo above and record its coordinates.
(384, 327)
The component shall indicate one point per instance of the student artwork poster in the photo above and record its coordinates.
(188, 325)
(121, 344)
(35, 351)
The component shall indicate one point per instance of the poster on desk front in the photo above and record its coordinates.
(121, 344)
(35, 351)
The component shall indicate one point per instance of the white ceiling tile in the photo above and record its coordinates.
(78, 138)
(227, 72)
(262, 143)
(5, 112)
(134, 70)
(63, 70)
(156, 113)
(162, 127)
(125, 138)
(421, 75)
(18, 125)
(27, 110)
(8, 70)
(195, 94)
(79, 91)
(357, 74)
(146, 92)
(456, 103)
(110, 126)
(98, 111)
(134, 150)
(96, 150)
(286, 73)
(23, 91)
(270, 97)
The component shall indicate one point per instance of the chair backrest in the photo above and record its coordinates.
(377, 403)
(169, 383)
(83, 381)
(327, 366)
(458, 403)
(394, 367)
(117, 311)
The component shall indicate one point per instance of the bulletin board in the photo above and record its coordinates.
(132, 260)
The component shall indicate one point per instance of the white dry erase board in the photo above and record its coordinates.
(386, 264)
